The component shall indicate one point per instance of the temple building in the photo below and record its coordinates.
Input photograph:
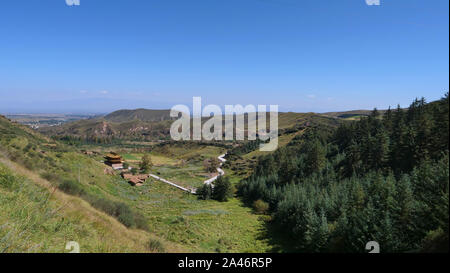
(114, 160)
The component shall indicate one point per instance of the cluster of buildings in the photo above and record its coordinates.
(135, 180)
(116, 162)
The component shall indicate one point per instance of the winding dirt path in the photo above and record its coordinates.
(208, 182)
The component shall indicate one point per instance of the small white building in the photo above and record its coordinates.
(117, 166)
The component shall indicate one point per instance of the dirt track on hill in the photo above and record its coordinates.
(194, 191)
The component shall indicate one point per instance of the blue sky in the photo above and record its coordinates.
(304, 55)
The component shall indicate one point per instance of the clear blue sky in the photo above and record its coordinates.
(304, 55)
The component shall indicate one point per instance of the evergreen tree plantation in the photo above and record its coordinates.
(383, 178)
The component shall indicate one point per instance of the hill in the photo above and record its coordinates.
(138, 114)
(47, 200)
(101, 130)
(75, 197)
(151, 125)
(351, 115)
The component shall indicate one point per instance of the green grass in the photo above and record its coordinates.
(188, 151)
(191, 176)
(131, 157)
(209, 226)
(33, 220)
(157, 159)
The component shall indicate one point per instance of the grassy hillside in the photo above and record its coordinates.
(104, 131)
(37, 217)
(351, 115)
(150, 125)
(138, 114)
(154, 212)
(32, 168)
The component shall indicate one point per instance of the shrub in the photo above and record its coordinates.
(6, 179)
(27, 148)
(103, 204)
(140, 221)
(211, 165)
(124, 215)
(121, 211)
(156, 246)
(126, 219)
(29, 164)
(52, 177)
(15, 156)
(71, 187)
(260, 206)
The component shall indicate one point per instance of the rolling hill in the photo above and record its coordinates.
(44, 206)
(151, 125)
(138, 114)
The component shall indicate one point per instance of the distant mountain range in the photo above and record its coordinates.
(138, 114)
(146, 124)
(351, 114)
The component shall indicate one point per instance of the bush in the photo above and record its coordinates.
(29, 164)
(126, 219)
(102, 204)
(71, 187)
(222, 189)
(211, 165)
(156, 246)
(205, 192)
(260, 206)
(7, 180)
(140, 221)
(124, 214)
(52, 177)
(121, 211)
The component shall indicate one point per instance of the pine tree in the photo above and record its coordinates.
(222, 189)
(322, 233)
(205, 192)
(146, 163)
(316, 157)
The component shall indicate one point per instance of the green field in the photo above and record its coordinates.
(209, 226)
